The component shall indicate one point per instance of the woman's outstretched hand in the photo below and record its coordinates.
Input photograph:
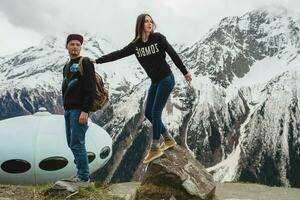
(93, 60)
(188, 77)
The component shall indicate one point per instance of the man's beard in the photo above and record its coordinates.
(74, 53)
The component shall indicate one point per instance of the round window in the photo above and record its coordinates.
(53, 163)
(104, 152)
(15, 166)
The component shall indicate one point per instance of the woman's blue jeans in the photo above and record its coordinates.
(158, 95)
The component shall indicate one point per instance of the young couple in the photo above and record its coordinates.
(150, 49)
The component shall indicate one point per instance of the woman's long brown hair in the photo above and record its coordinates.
(139, 26)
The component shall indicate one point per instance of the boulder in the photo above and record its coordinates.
(176, 175)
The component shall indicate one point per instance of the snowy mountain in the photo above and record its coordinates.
(268, 148)
(230, 48)
(262, 103)
(240, 118)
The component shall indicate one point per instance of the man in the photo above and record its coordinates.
(78, 92)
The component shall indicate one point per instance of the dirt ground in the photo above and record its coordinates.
(224, 191)
(12, 192)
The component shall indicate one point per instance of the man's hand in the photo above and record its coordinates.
(83, 117)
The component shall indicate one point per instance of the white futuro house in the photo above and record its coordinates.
(33, 149)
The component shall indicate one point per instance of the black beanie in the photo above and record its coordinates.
(75, 37)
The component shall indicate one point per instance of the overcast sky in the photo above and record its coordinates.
(25, 22)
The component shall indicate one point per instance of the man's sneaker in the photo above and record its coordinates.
(153, 154)
(168, 144)
(74, 182)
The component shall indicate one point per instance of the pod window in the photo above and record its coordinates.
(53, 163)
(15, 166)
(104, 152)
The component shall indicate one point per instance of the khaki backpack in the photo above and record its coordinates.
(101, 97)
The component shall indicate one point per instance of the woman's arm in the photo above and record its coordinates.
(174, 56)
(126, 51)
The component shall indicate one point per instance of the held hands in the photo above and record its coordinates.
(83, 118)
(93, 60)
(188, 78)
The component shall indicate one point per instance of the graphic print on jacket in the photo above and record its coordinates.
(70, 82)
(146, 51)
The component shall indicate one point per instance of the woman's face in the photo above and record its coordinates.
(148, 24)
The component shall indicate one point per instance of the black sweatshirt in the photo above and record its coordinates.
(151, 55)
(78, 91)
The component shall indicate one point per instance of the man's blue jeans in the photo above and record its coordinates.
(76, 141)
(158, 95)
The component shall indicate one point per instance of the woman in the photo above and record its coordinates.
(150, 49)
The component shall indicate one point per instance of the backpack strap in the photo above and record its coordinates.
(66, 69)
(80, 65)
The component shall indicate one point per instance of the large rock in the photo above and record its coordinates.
(176, 175)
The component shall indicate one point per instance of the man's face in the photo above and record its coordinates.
(74, 47)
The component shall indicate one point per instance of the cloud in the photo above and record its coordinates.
(181, 21)
(14, 38)
(31, 14)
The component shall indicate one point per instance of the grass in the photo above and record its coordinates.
(94, 192)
